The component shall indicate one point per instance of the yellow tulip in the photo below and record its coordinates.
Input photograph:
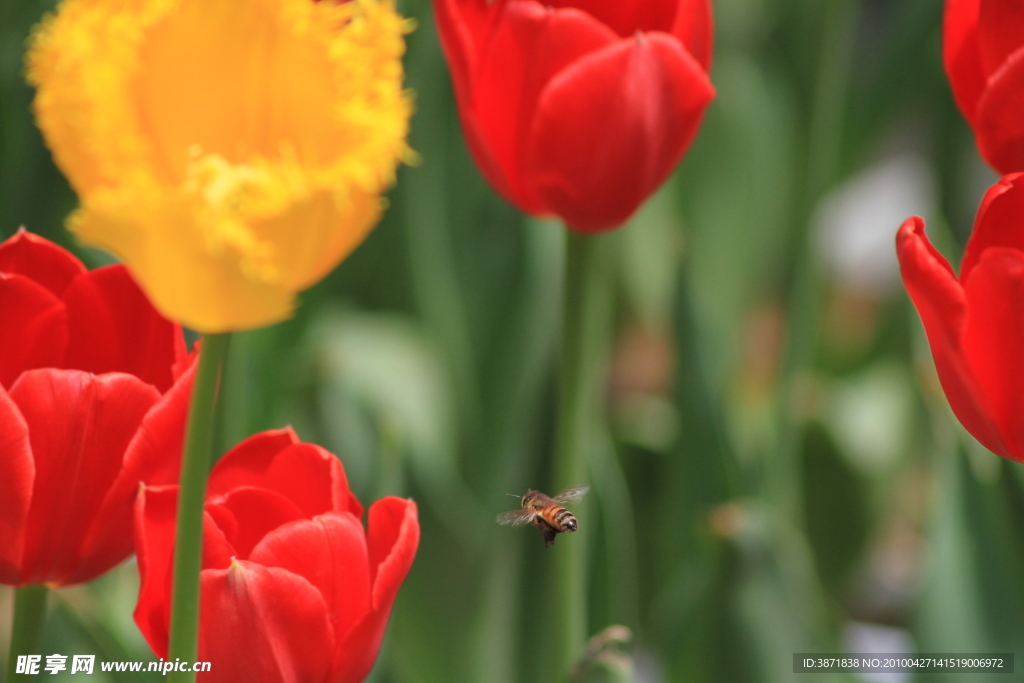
(230, 152)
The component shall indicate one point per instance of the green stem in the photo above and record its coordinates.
(838, 31)
(195, 467)
(29, 614)
(587, 306)
(526, 360)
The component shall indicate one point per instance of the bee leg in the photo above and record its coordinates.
(549, 536)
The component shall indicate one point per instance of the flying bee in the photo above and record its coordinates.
(545, 513)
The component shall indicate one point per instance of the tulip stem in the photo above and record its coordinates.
(586, 314)
(29, 614)
(195, 468)
(840, 23)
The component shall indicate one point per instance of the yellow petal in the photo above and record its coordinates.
(231, 152)
(161, 239)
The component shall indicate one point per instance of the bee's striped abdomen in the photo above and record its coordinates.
(559, 518)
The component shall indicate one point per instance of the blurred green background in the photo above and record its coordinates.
(779, 471)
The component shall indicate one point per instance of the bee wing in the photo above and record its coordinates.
(515, 517)
(571, 494)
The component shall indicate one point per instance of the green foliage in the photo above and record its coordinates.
(777, 463)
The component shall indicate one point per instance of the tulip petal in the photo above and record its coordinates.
(304, 261)
(626, 18)
(998, 125)
(112, 327)
(462, 25)
(247, 462)
(306, 474)
(35, 327)
(297, 467)
(392, 539)
(39, 260)
(223, 528)
(998, 223)
(153, 458)
(651, 94)
(163, 237)
(961, 54)
(994, 338)
(393, 536)
(942, 305)
(17, 472)
(156, 511)
(79, 427)
(263, 624)
(207, 132)
(235, 81)
(695, 27)
(1000, 31)
(77, 118)
(217, 552)
(329, 552)
(528, 45)
(257, 511)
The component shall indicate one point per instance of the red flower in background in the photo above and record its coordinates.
(292, 587)
(91, 404)
(983, 49)
(974, 322)
(579, 108)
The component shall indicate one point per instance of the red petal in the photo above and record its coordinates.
(153, 458)
(79, 427)
(258, 512)
(462, 26)
(998, 125)
(39, 260)
(626, 18)
(961, 53)
(527, 47)
(156, 510)
(329, 552)
(217, 552)
(306, 474)
(994, 338)
(611, 128)
(247, 463)
(113, 327)
(155, 523)
(942, 305)
(225, 521)
(182, 365)
(314, 478)
(998, 223)
(34, 328)
(1000, 31)
(394, 535)
(695, 27)
(262, 624)
(17, 472)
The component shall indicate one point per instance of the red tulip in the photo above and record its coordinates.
(973, 322)
(292, 588)
(579, 108)
(983, 49)
(93, 396)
